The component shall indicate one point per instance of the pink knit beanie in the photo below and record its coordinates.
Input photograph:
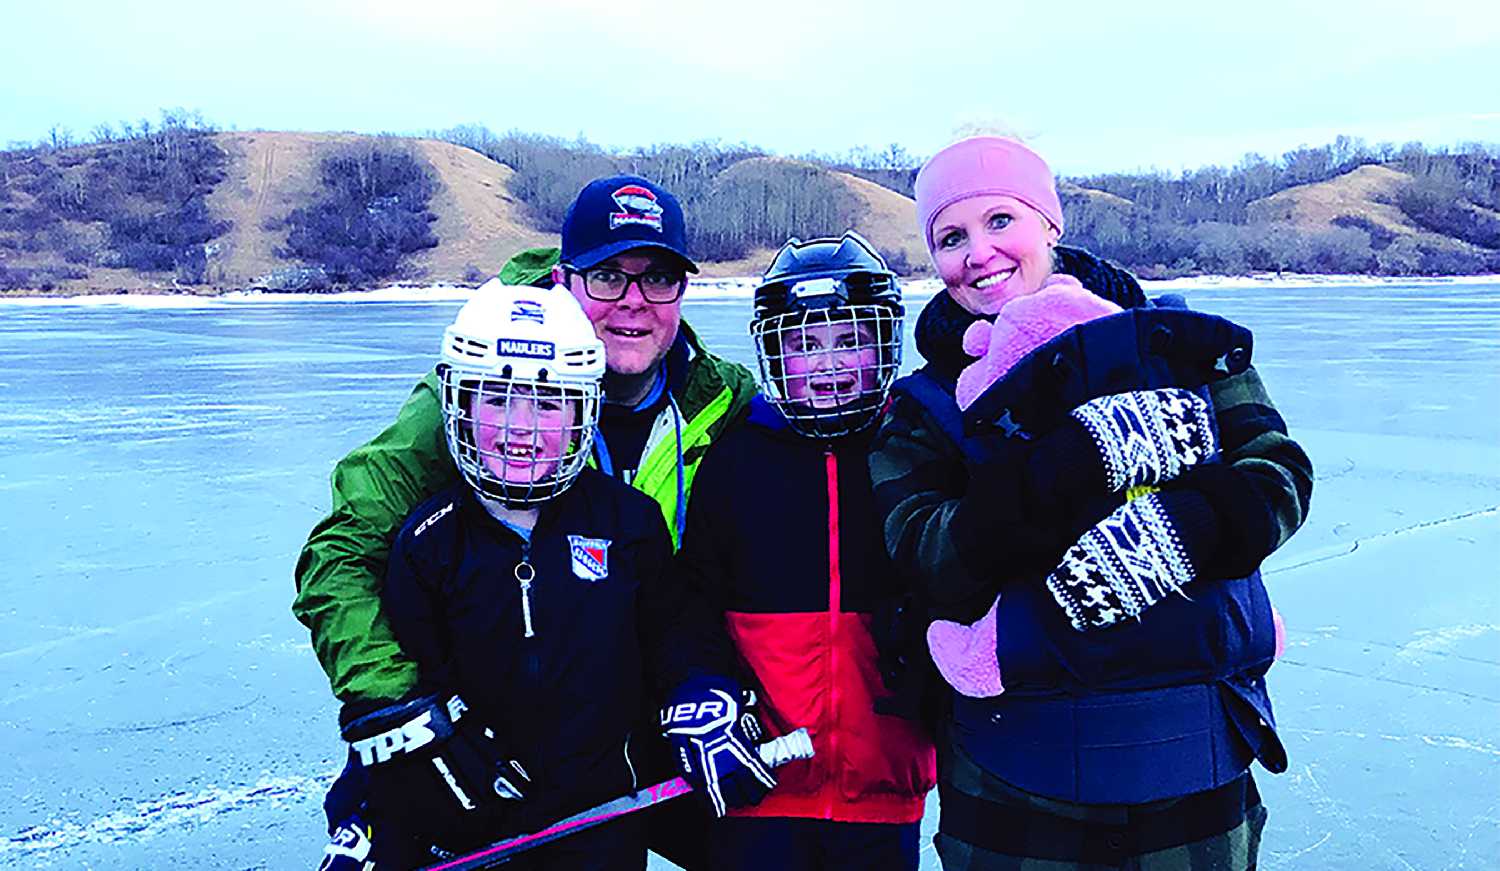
(985, 165)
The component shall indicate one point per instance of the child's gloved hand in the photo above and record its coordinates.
(349, 847)
(436, 759)
(709, 722)
(1023, 325)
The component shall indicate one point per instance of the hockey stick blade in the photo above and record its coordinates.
(775, 753)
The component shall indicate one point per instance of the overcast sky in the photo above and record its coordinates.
(1093, 86)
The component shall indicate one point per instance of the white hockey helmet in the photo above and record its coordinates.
(520, 372)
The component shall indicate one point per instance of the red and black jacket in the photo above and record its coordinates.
(783, 536)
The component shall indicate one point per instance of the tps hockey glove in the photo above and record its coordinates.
(432, 757)
(1150, 546)
(709, 725)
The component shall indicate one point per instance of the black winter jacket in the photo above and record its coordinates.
(569, 670)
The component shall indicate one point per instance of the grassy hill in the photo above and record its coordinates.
(478, 225)
(266, 175)
(1367, 198)
(884, 217)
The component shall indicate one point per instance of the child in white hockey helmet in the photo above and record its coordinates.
(534, 599)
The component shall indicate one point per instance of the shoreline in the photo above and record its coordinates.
(700, 290)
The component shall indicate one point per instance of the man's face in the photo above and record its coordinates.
(636, 333)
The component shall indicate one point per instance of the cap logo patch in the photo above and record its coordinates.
(637, 206)
(527, 310)
(525, 348)
(590, 557)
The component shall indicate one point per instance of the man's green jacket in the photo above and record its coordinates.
(342, 566)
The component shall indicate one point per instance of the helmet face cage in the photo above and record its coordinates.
(829, 369)
(518, 441)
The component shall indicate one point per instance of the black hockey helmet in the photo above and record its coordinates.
(827, 330)
(826, 273)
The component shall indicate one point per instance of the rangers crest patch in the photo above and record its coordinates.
(590, 557)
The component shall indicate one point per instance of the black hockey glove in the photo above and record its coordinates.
(715, 735)
(348, 847)
(432, 758)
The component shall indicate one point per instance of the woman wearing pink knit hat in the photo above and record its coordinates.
(1082, 483)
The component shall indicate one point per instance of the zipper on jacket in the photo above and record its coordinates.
(835, 596)
(525, 573)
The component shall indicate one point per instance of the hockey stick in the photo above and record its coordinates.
(776, 752)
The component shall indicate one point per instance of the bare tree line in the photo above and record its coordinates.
(133, 195)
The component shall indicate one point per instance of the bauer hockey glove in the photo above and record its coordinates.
(349, 847)
(432, 755)
(709, 725)
(1149, 547)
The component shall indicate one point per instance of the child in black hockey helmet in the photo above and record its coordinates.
(783, 539)
(534, 598)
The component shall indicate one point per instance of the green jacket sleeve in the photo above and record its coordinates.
(1262, 490)
(340, 570)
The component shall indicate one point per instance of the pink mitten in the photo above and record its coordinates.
(1280, 632)
(966, 656)
(1023, 325)
(979, 375)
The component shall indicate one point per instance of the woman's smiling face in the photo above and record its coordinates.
(990, 249)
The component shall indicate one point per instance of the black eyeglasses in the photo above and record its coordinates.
(608, 284)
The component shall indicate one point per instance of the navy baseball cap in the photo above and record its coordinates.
(621, 213)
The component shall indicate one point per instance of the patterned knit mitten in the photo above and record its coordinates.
(1123, 565)
(1148, 436)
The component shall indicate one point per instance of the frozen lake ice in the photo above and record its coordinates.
(160, 468)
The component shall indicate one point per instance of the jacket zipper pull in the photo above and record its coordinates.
(525, 574)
